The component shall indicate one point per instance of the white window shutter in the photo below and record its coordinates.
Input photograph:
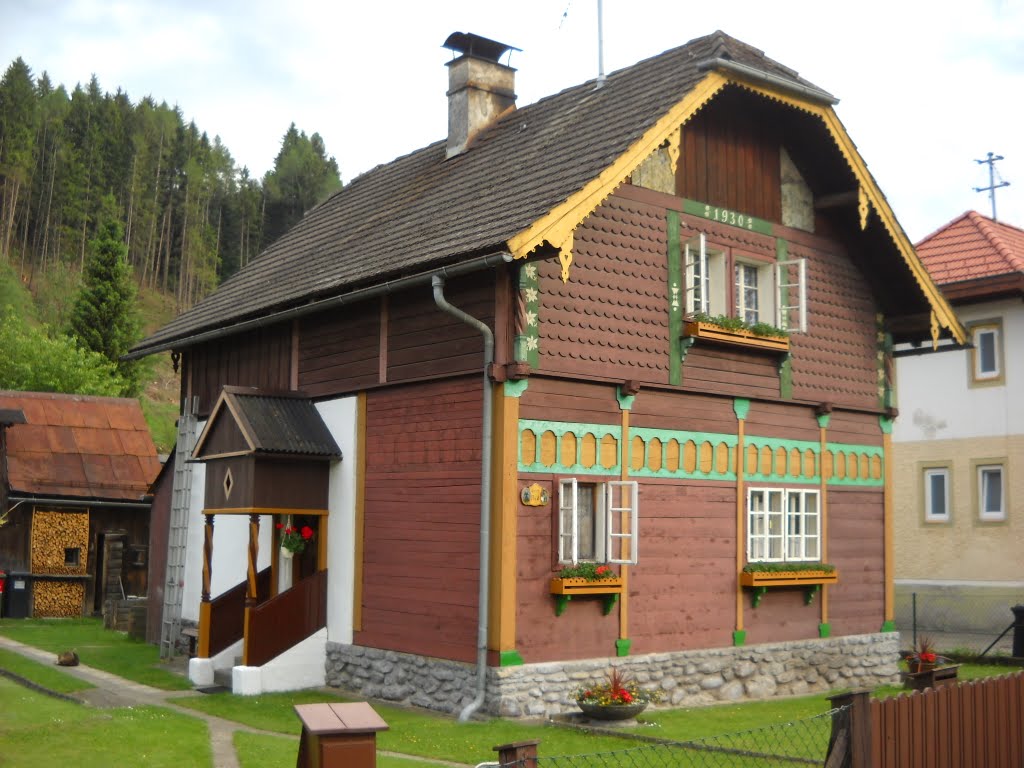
(622, 507)
(696, 263)
(568, 524)
(791, 295)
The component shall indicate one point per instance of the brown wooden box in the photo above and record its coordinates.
(338, 735)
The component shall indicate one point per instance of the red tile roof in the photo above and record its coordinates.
(972, 247)
(79, 446)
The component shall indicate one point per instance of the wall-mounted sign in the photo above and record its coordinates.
(534, 495)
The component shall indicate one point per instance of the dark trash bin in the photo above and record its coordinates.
(18, 595)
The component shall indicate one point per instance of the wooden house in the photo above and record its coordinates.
(959, 447)
(643, 323)
(75, 473)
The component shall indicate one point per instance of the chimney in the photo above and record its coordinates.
(479, 87)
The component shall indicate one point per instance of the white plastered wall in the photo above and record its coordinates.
(341, 418)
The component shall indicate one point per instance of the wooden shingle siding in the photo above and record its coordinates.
(610, 320)
(855, 548)
(422, 508)
(260, 358)
(338, 350)
(730, 158)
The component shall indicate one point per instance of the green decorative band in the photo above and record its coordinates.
(528, 316)
(622, 646)
(546, 446)
(741, 407)
(888, 626)
(885, 424)
(739, 637)
(676, 298)
(516, 388)
(727, 216)
(824, 630)
(686, 455)
(596, 449)
(625, 401)
(824, 419)
(510, 659)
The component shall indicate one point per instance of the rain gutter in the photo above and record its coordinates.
(437, 281)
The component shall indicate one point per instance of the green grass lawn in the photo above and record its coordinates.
(104, 649)
(37, 730)
(50, 678)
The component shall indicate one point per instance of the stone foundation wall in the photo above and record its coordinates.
(688, 678)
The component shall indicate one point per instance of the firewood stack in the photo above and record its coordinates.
(60, 547)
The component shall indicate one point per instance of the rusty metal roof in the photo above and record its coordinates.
(77, 446)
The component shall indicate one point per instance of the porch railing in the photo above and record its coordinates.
(286, 619)
(227, 612)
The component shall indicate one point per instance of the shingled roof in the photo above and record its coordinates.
(78, 447)
(973, 247)
(422, 210)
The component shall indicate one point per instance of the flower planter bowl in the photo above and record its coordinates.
(612, 711)
(715, 333)
(936, 677)
(810, 580)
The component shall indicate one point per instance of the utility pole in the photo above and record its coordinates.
(992, 186)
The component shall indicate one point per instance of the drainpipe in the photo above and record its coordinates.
(485, 496)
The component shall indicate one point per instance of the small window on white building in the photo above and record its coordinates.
(936, 495)
(991, 496)
(986, 355)
(597, 522)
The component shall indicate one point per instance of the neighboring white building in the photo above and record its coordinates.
(959, 441)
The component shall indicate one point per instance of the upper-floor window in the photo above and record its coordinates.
(783, 525)
(725, 281)
(936, 495)
(597, 522)
(986, 353)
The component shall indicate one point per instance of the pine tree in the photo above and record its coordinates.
(104, 318)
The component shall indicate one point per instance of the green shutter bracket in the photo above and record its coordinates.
(741, 407)
(739, 637)
(510, 659)
(888, 626)
(622, 646)
(516, 388)
(824, 630)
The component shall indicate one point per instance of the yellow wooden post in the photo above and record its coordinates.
(250, 592)
(360, 511)
(203, 642)
(825, 472)
(504, 527)
(887, 506)
(741, 407)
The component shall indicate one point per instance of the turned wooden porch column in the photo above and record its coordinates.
(250, 592)
(203, 649)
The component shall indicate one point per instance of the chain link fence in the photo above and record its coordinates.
(798, 743)
(959, 621)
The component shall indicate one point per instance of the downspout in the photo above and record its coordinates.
(485, 496)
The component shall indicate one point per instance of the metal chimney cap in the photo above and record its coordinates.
(467, 43)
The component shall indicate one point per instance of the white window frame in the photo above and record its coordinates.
(711, 290)
(986, 512)
(930, 515)
(979, 373)
(782, 510)
(616, 515)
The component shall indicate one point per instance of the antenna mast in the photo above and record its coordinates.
(992, 186)
(600, 44)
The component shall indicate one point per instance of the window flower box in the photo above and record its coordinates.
(712, 332)
(564, 589)
(810, 578)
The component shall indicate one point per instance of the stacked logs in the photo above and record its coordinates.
(60, 547)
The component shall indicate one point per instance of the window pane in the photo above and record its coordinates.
(937, 494)
(992, 491)
(985, 341)
(746, 292)
(587, 528)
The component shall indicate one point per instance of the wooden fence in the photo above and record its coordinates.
(979, 724)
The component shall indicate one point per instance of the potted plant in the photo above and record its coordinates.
(726, 329)
(617, 697)
(294, 540)
(923, 658)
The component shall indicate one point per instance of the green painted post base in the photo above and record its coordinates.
(510, 659)
(739, 637)
(622, 646)
(824, 630)
(888, 626)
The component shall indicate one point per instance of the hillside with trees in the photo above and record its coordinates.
(107, 202)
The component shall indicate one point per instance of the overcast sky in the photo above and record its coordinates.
(925, 88)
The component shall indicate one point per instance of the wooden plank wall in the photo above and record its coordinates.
(422, 507)
(855, 528)
(260, 358)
